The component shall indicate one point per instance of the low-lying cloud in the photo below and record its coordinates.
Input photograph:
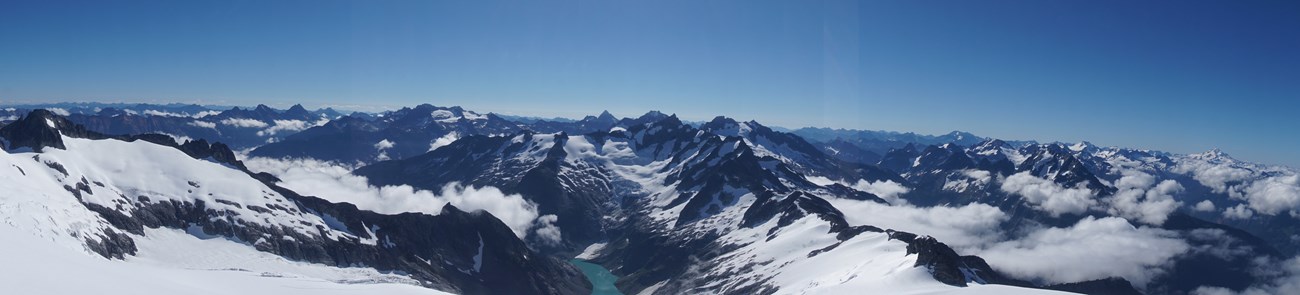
(1091, 249)
(1140, 198)
(1049, 196)
(888, 190)
(203, 124)
(966, 227)
(335, 183)
(243, 123)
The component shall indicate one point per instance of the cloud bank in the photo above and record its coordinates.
(1048, 196)
(335, 183)
(1091, 249)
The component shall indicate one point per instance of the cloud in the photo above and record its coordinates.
(965, 227)
(243, 123)
(547, 231)
(59, 111)
(1216, 176)
(205, 114)
(1272, 195)
(1137, 200)
(1238, 212)
(888, 190)
(1048, 196)
(335, 183)
(1090, 249)
(1205, 206)
(381, 146)
(968, 179)
(163, 114)
(203, 124)
(285, 125)
(444, 140)
(1287, 281)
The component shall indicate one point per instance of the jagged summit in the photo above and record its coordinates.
(42, 128)
(297, 110)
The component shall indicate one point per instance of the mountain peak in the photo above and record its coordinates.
(605, 115)
(1214, 154)
(1082, 146)
(39, 129)
(263, 108)
(653, 115)
(720, 122)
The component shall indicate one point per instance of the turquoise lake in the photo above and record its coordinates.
(602, 281)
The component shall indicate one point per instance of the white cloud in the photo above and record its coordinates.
(59, 111)
(381, 146)
(1287, 282)
(967, 180)
(163, 114)
(1205, 206)
(888, 190)
(205, 114)
(1216, 176)
(203, 124)
(284, 125)
(1048, 196)
(1238, 212)
(547, 230)
(1137, 200)
(444, 140)
(335, 183)
(1272, 195)
(1091, 249)
(965, 227)
(243, 123)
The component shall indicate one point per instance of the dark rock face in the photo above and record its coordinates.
(942, 261)
(1108, 286)
(41, 129)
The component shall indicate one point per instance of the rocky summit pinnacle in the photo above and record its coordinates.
(39, 129)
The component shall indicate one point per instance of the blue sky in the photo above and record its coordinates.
(1180, 76)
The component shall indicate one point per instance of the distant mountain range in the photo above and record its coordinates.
(670, 207)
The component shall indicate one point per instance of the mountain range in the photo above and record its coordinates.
(451, 200)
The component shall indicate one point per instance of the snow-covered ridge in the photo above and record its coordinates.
(110, 195)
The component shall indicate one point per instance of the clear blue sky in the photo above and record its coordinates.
(1181, 76)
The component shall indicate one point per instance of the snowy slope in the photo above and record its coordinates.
(44, 227)
(32, 266)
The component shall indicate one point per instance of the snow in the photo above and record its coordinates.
(869, 261)
(171, 248)
(444, 140)
(44, 227)
(478, 258)
(472, 116)
(33, 267)
(591, 252)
